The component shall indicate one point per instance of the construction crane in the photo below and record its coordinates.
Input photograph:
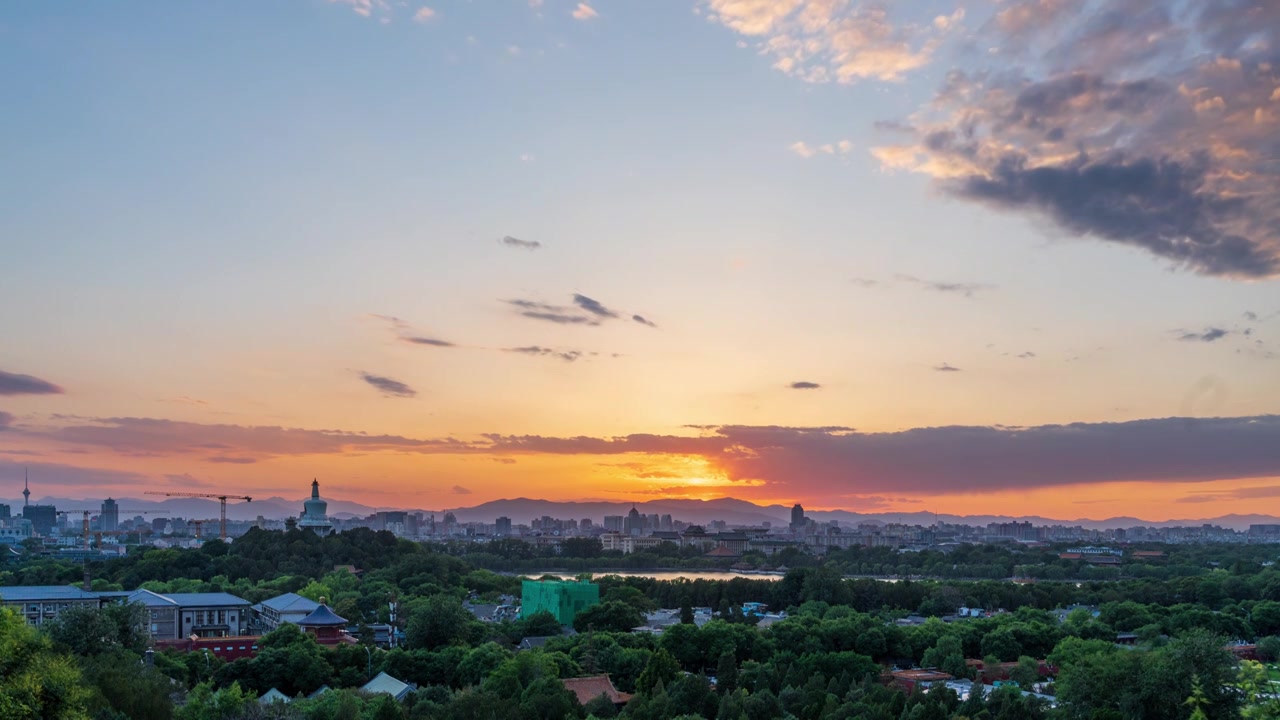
(222, 499)
(85, 529)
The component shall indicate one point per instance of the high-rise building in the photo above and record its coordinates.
(613, 523)
(797, 518)
(585, 524)
(634, 523)
(109, 516)
(502, 526)
(4, 512)
(42, 517)
(665, 523)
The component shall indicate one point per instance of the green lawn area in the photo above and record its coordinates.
(1273, 672)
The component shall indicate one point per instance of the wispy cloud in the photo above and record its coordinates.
(593, 306)
(945, 367)
(424, 14)
(584, 12)
(584, 311)
(433, 342)
(823, 41)
(539, 351)
(232, 460)
(516, 242)
(1207, 335)
(6, 420)
(388, 386)
(406, 334)
(559, 314)
(15, 384)
(802, 149)
(459, 490)
(804, 385)
(967, 289)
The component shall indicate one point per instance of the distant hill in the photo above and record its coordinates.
(523, 510)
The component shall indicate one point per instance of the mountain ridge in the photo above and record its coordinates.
(522, 510)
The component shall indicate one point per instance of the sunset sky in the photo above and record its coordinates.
(974, 256)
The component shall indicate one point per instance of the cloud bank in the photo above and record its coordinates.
(1128, 121)
(15, 384)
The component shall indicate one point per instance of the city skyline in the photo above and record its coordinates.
(995, 259)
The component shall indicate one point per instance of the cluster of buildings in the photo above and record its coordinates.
(226, 625)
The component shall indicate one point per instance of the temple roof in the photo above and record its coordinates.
(322, 617)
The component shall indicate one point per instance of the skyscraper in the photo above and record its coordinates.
(502, 526)
(109, 516)
(797, 518)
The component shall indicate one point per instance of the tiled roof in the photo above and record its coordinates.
(151, 599)
(590, 688)
(206, 599)
(384, 683)
(290, 602)
(322, 616)
(36, 593)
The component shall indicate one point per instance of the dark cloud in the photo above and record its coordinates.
(1207, 335)
(944, 367)
(45, 474)
(547, 312)
(538, 351)
(231, 460)
(830, 462)
(958, 288)
(1026, 355)
(804, 385)
(1250, 316)
(459, 490)
(15, 384)
(433, 342)
(177, 438)
(583, 311)
(516, 242)
(593, 306)
(388, 386)
(1160, 204)
(1145, 123)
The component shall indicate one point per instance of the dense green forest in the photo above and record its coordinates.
(827, 659)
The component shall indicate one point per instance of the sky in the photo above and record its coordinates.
(967, 256)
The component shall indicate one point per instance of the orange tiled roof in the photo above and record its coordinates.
(590, 688)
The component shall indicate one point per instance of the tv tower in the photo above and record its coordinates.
(26, 489)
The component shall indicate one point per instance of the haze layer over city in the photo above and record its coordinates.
(996, 260)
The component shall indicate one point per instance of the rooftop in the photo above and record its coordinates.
(384, 683)
(322, 616)
(36, 593)
(206, 599)
(290, 602)
(590, 688)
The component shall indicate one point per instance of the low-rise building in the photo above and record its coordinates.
(210, 615)
(40, 604)
(287, 608)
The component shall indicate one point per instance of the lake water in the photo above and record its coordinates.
(668, 574)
